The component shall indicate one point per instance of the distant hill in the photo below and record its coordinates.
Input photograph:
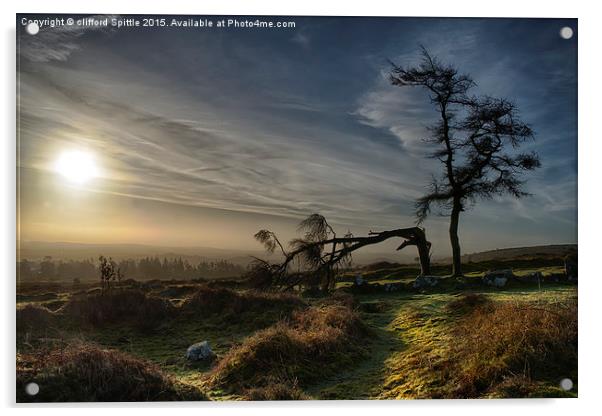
(35, 250)
(522, 253)
(548, 252)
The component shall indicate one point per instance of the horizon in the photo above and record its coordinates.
(367, 257)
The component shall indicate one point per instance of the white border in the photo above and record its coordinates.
(590, 151)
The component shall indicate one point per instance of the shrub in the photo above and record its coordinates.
(113, 306)
(213, 300)
(313, 344)
(343, 298)
(468, 303)
(277, 390)
(86, 373)
(33, 318)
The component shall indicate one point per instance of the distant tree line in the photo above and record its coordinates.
(142, 269)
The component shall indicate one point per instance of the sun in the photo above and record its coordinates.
(77, 166)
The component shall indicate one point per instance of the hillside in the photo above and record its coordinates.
(523, 253)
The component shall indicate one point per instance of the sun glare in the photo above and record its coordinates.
(76, 166)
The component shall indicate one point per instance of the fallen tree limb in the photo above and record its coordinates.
(322, 252)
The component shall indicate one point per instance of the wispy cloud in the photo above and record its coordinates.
(57, 43)
(283, 131)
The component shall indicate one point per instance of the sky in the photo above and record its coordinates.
(202, 136)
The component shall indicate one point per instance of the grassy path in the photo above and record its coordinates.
(410, 343)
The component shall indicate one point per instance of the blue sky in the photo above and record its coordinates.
(205, 135)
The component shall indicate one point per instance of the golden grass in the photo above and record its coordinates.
(86, 373)
(513, 339)
(33, 317)
(312, 345)
(119, 305)
(491, 349)
(221, 300)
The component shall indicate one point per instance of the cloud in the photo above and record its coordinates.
(302, 39)
(403, 112)
(268, 129)
(57, 43)
(244, 168)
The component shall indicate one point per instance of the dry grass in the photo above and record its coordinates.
(509, 340)
(276, 390)
(242, 305)
(485, 348)
(33, 318)
(86, 373)
(468, 303)
(312, 345)
(342, 298)
(132, 306)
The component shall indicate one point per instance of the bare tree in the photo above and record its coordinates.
(322, 253)
(108, 272)
(476, 141)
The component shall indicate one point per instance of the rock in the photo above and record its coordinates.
(201, 351)
(367, 288)
(422, 282)
(123, 340)
(393, 287)
(498, 278)
(554, 277)
(570, 267)
(499, 281)
(534, 277)
(507, 273)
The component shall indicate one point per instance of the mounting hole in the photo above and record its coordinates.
(32, 28)
(32, 389)
(566, 384)
(566, 32)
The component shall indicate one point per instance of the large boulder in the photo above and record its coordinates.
(201, 351)
(423, 282)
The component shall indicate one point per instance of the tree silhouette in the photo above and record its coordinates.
(476, 139)
(322, 253)
(108, 272)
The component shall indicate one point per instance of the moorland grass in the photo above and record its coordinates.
(134, 306)
(483, 348)
(256, 309)
(87, 373)
(310, 346)
(513, 344)
(275, 346)
(34, 318)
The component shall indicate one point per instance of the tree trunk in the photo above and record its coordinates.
(453, 236)
(414, 236)
(424, 256)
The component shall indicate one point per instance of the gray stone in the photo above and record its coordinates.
(422, 282)
(359, 280)
(393, 287)
(570, 267)
(200, 351)
(507, 273)
(498, 278)
(499, 281)
(535, 276)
